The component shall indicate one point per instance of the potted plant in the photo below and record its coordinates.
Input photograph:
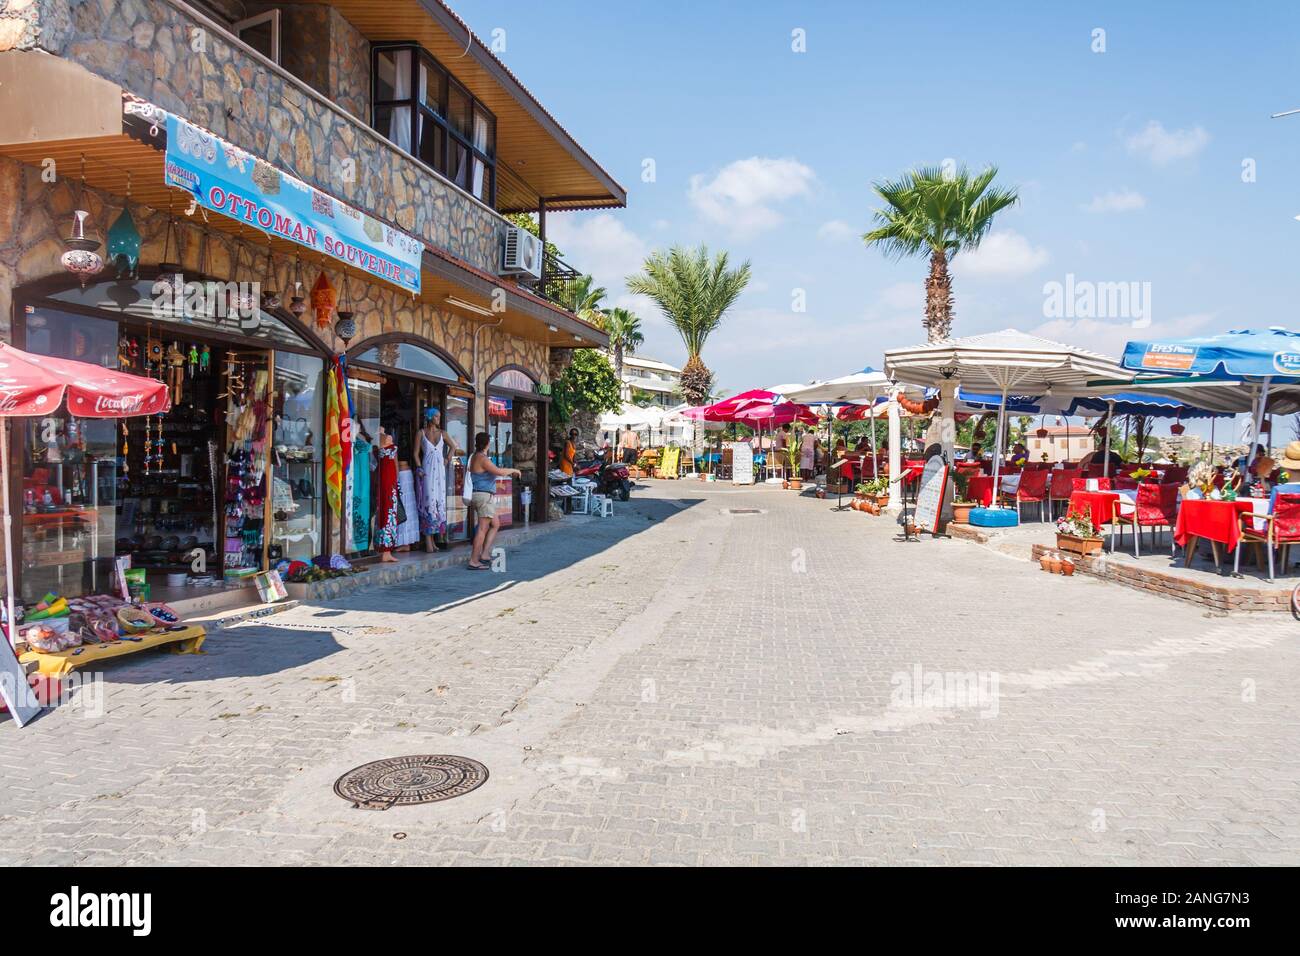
(1075, 534)
(961, 506)
(792, 449)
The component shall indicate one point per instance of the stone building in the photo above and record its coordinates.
(256, 151)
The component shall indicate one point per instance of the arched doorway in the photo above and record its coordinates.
(396, 379)
(517, 428)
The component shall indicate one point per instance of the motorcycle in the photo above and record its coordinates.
(611, 477)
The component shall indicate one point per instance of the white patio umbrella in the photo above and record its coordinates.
(1000, 362)
(861, 388)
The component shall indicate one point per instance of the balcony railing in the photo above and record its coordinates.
(556, 275)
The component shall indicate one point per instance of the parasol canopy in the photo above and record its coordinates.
(33, 385)
(770, 415)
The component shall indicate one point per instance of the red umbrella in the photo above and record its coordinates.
(781, 414)
(726, 409)
(32, 385)
(37, 385)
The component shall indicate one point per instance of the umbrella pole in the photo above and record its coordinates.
(1259, 420)
(874, 456)
(1110, 418)
(9, 537)
(997, 449)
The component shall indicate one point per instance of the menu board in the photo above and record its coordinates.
(670, 462)
(14, 689)
(742, 462)
(934, 500)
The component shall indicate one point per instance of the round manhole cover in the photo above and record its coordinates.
(403, 781)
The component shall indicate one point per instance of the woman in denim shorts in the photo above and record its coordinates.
(483, 475)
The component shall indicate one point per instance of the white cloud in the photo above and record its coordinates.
(1109, 338)
(1125, 201)
(904, 297)
(837, 230)
(598, 244)
(740, 196)
(1002, 255)
(1161, 146)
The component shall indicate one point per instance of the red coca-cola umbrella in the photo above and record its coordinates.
(33, 385)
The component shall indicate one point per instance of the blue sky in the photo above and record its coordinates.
(1129, 161)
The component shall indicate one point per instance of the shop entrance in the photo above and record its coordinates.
(516, 427)
(395, 383)
(215, 490)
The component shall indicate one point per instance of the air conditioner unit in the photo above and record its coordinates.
(522, 254)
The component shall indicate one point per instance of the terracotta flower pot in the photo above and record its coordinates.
(796, 484)
(1054, 565)
(961, 512)
(1067, 568)
(1045, 563)
(785, 484)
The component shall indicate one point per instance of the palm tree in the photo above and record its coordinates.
(624, 331)
(580, 298)
(694, 293)
(940, 213)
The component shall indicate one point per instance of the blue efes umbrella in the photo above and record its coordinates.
(1258, 354)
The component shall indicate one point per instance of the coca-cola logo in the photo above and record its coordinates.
(125, 404)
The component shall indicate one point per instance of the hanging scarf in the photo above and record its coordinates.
(339, 371)
(333, 444)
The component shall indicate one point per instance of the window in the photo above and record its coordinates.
(421, 108)
(262, 33)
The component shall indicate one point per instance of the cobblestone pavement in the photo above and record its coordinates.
(682, 684)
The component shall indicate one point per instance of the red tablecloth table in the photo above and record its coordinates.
(1215, 521)
(980, 488)
(1099, 504)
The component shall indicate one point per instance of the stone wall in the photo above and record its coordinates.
(33, 214)
(149, 48)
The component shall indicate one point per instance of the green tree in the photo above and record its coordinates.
(694, 292)
(939, 213)
(587, 384)
(582, 297)
(624, 331)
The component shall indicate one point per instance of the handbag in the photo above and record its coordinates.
(467, 489)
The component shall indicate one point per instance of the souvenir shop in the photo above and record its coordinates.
(403, 392)
(220, 487)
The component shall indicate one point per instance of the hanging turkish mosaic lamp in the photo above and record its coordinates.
(323, 300)
(124, 240)
(82, 258)
(169, 271)
(297, 303)
(270, 294)
(346, 327)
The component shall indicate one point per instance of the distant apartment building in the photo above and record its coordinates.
(657, 379)
(1061, 443)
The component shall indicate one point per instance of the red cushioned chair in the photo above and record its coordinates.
(1175, 474)
(1122, 483)
(1157, 507)
(1281, 530)
(1032, 488)
(1060, 487)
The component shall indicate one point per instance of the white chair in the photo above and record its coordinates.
(601, 505)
